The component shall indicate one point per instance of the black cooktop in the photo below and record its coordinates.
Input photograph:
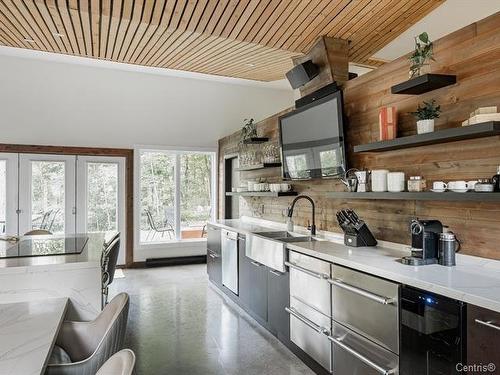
(44, 246)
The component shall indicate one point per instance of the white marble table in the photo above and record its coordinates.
(28, 331)
(76, 276)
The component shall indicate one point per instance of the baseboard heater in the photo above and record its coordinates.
(176, 261)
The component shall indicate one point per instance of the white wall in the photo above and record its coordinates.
(452, 15)
(49, 102)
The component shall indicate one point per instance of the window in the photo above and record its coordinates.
(176, 195)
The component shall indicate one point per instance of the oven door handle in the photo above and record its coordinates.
(374, 297)
(317, 275)
(361, 357)
(488, 323)
(307, 321)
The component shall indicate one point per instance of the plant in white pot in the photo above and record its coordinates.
(425, 114)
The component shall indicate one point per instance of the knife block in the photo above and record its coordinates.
(358, 235)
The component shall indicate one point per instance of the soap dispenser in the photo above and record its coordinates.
(496, 180)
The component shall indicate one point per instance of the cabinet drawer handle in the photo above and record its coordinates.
(361, 357)
(212, 255)
(256, 264)
(374, 297)
(276, 273)
(488, 323)
(321, 276)
(306, 321)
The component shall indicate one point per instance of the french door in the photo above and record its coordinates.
(8, 193)
(47, 193)
(62, 194)
(101, 196)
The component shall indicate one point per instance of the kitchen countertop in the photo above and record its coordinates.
(473, 280)
(28, 331)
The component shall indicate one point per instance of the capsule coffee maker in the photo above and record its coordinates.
(424, 242)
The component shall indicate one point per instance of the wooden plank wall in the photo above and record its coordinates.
(473, 54)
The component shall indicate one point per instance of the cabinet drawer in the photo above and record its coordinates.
(354, 354)
(367, 305)
(483, 336)
(309, 281)
(309, 330)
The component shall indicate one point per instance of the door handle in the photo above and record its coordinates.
(488, 323)
(256, 264)
(361, 357)
(317, 275)
(307, 321)
(361, 292)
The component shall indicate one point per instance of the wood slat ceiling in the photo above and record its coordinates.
(253, 39)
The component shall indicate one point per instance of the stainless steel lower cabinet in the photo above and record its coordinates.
(354, 354)
(309, 330)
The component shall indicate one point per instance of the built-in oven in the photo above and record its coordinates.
(433, 331)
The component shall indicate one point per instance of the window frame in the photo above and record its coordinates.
(177, 151)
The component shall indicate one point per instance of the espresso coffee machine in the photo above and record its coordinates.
(424, 242)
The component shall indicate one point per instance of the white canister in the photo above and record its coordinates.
(396, 182)
(379, 180)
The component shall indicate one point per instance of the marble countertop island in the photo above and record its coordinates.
(473, 280)
(28, 331)
(90, 256)
(75, 276)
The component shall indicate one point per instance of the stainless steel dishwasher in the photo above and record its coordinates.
(229, 244)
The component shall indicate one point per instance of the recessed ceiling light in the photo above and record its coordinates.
(250, 65)
(59, 35)
(29, 40)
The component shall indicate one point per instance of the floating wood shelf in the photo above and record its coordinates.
(258, 166)
(423, 84)
(255, 140)
(485, 129)
(423, 196)
(263, 193)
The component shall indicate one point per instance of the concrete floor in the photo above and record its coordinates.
(178, 324)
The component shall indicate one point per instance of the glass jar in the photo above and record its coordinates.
(416, 184)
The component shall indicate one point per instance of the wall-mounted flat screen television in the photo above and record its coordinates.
(312, 140)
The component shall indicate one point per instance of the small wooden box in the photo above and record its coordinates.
(388, 123)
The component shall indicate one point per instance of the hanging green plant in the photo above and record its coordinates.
(422, 54)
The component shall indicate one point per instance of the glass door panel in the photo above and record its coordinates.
(47, 193)
(101, 197)
(157, 196)
(195, 194)
(8, 193)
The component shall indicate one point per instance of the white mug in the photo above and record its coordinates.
(471, 184)
(439, 185)
(457, 185)
(285, 187)
(396, 182)
(379, 180)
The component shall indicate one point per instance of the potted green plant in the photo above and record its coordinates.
(425, 114)
(249, 130)
(422, 54)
